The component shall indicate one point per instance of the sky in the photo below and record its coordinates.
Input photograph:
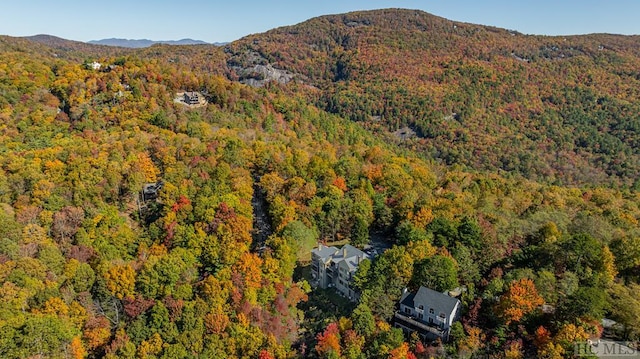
(216, 21)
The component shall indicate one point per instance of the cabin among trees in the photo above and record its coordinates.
(191, 98)
(150, 190)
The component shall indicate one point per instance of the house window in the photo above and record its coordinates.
(431, 311)
(430, 320)
(407, 310)
(420, 316)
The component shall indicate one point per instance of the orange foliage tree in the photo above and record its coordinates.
(97, 332)
(76, 348)
(329, 341)
(520, 299)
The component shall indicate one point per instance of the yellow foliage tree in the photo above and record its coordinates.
(77, 314)
(121, 280)
(571, 333)
(150, 347)
(422, 217)
(609, 265)
(55, 306)
(472, 342)
(148, 168)
(551, 351)
(33, 233)
(514, 351)
(420, 250)
(272, 184)
(216, 289)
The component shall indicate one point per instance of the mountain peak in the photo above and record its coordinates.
(51, 40)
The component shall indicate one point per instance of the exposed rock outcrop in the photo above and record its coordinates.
(259, 75)
(253, 69)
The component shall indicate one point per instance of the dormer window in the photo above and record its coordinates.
(431, 311)
(421, 307)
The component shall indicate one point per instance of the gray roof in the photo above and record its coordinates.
(348, 254)
(324, 252)
(430, 298)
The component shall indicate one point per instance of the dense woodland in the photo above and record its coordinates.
(87, 270)
(562, 110)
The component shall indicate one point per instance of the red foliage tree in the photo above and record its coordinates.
(133, 307)
(329, 340)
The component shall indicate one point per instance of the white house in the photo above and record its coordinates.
(428, 312)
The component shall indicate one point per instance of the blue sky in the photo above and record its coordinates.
(229, 20)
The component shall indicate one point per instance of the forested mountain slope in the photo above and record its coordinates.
(562, 109)
(89, 269)
(74, 50)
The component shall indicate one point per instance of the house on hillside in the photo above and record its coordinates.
(334, 268)
(427, 312)
(92, 65)
(191, 98)
(150, 191)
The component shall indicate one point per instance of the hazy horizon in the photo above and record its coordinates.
(200, 20)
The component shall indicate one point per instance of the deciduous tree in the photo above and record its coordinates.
(520, 299)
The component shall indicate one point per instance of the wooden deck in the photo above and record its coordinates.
(425, 329)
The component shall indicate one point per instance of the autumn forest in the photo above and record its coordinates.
(502, 164)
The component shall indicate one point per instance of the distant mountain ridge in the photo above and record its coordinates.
(51, 40)
(76, 50)
(141, 43)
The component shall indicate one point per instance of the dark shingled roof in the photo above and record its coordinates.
(430, 299)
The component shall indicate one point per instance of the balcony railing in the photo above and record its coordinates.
(404, 317)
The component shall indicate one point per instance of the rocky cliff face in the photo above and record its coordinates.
(259, 75)
(253, 69)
